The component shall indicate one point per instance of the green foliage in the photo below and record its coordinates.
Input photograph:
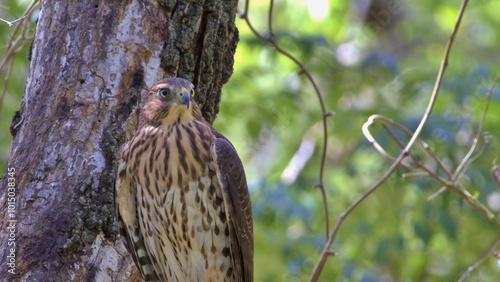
(397, 234)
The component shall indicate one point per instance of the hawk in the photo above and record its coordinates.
(182, 200)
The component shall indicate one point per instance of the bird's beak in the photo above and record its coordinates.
(184, 97)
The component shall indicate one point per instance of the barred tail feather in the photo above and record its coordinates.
(135, 245)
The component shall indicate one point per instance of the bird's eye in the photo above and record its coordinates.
(164, 92)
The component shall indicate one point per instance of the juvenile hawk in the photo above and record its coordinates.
(182, 200)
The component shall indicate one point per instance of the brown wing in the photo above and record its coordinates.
(238, 208)
(128, 223)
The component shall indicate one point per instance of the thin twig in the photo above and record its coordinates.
(490, 252)
(467, 160)
(459, 190)
(417, 162)
(384, 120)
(450, 183)
(12, 22)
(463, 164)
(271, 40)
(322, 260)
(495, 170)
(18, 41)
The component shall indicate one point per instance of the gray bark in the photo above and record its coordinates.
(91, 62)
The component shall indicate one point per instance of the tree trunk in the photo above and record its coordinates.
(90, 64)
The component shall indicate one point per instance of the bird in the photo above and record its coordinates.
(181, 196)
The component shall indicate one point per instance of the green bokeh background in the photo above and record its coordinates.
(385, 65)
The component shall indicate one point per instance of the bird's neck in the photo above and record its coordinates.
(175, 116)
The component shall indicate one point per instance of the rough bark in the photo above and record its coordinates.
(91, 62)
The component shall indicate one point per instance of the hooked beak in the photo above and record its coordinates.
(184, 98)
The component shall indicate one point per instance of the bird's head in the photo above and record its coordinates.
(169, 101)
